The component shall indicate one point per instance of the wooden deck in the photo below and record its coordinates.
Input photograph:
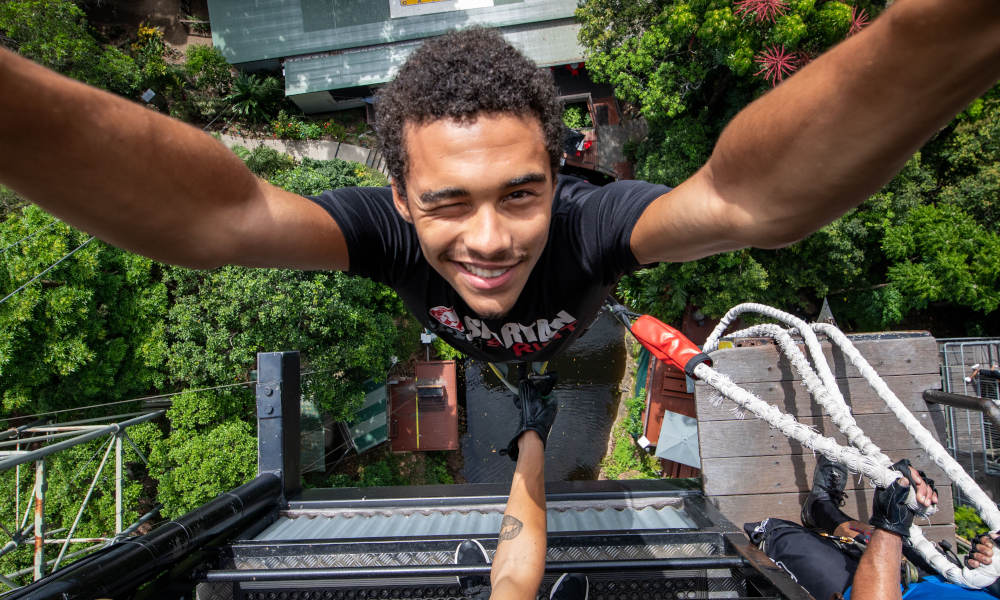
(752, 472)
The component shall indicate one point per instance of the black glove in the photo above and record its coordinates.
(889, 509)
(538, 409)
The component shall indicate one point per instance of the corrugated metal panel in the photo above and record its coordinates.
(547, 44)
(369, 428)
(472, 523)
(248, 31)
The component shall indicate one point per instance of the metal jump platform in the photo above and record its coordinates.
(270, 539)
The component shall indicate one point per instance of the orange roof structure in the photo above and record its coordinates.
(423, 411)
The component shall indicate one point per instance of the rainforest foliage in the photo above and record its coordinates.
(922, 247)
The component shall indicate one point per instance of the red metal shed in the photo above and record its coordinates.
(423, 411)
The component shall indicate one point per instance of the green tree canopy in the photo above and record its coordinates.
(55, 33)
(690, 66)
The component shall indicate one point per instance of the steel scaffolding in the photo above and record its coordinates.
(56, 437)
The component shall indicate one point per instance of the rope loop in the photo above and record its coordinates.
(863, 455)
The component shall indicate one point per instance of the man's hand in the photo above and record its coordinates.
(982, 551)
(538, 409)
(889, 509)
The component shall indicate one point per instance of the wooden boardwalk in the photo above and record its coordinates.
(752, 472)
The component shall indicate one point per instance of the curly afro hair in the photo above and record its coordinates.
(459, 76)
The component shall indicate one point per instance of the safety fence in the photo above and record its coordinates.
(971, 367)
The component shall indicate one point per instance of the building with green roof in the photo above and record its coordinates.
(335, 52)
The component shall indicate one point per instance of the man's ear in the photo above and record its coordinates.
(402, 206)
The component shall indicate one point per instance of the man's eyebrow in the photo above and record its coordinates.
(527, 178)
(435, 196)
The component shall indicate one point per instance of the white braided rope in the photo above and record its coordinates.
(830, 399)
(871, 462)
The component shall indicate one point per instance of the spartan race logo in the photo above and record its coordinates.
(519, 338)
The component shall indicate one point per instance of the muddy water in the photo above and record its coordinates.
(587, 391)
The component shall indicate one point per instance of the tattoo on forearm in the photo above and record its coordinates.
(510, 527)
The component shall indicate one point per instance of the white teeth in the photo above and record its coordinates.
(487, 273)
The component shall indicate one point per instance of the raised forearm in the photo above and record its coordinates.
(134, 178)
(838, 130)
(519, 563)
(877, 577)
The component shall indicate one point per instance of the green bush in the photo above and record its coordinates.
(636, 405)
(208, 69)
(627, 456)
(576, 117)
(445, 351)
(254, 98)
(436, 469)
(268, 162)
(968, 523)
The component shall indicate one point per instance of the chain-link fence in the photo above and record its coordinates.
(971, 366)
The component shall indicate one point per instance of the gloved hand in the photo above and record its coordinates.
(538, 409)
(889, 509)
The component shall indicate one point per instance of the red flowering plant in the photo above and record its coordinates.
(761, 10)
(776, 63)
(859, 20)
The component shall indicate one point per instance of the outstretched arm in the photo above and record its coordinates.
(519, 562)
(830, 136)
(148, 183)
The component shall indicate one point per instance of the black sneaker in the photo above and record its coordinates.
(570, 586)
(821, 509)
(471, 552)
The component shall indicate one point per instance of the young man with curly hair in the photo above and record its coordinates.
(481, 238)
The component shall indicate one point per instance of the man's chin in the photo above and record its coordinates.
(489, 310)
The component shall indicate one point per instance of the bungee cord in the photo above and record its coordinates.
(863, 456)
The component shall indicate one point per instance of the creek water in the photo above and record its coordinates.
(589, 371)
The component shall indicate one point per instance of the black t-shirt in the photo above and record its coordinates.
(587, 252)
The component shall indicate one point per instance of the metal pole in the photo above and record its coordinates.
(17, 488)
(278, 406)
(8, 583)
(128, 439)
(119, 515)
(83, 505)
(85, 437)
(37, 438)
(39, 519)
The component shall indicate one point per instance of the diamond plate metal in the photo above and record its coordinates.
(445, 557)
(688, 585)
(213, 591)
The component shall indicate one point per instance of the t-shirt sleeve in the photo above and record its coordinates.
(379, 242)
(602, 220)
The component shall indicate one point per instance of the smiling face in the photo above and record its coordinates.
(480, 197)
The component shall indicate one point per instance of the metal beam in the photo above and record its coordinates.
(657, 564)
(278, 405)
(40, 486)
(973, 403)
(85, 437)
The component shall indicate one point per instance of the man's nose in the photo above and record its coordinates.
(486, 234)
